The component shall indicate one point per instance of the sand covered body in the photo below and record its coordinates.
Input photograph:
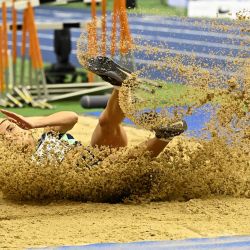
(50, 223)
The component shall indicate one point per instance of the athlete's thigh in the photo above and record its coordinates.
(115, 137)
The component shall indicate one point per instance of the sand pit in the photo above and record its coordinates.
(72, 223)
(51, 223)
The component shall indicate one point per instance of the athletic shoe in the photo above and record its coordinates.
(108, 70)
(171, 130)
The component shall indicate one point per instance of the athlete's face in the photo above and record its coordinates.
(12, 132)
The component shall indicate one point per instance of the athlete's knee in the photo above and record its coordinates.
(104, 122)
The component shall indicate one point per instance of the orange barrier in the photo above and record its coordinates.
(14, 40)
(29, 36)
(122, 28)
(126, 39)
(34, 41)
(24, 33)
(93, 9)
(23, 45)
(94, 26)
(14, 33)
(113, 32)
(119, 15)
(104, 27)
(92, 37)
(29, 30)
(91, 47)
(35, 53)
(125, 35)
(1, 62)
(5, 41)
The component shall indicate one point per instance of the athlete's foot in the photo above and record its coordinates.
(170, 131)
(108, 70)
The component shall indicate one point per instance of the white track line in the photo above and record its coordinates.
(185, 22)
(43, 47)
(194, 54)
(192, 42)
(150, 62)
(189, 32)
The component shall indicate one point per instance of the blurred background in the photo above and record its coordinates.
(176, 28)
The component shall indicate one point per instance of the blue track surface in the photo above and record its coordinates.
(212, 48)
(230, 242)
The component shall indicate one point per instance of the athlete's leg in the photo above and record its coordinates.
(109, 131)
(155, 146)
(163, 135)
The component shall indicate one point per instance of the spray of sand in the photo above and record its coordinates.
(184, 171)
(217, 163)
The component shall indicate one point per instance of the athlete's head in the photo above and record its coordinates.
(12, 132)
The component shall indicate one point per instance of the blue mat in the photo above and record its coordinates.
(196, 122)
(229, 242)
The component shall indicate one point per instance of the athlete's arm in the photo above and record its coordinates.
(59, 122)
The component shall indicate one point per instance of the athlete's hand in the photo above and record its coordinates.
(19, 120)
